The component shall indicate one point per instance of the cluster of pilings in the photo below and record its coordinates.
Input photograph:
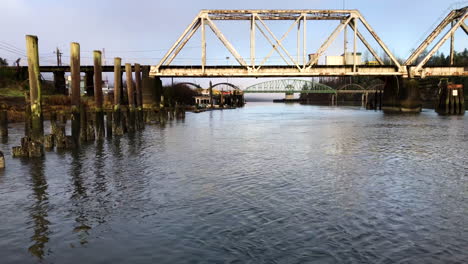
(450, 99)
(87, 123)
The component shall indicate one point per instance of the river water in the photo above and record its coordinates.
(268, 183)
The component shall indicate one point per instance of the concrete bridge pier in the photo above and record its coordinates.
(401, 96)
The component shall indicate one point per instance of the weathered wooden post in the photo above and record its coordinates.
(4, 124)
(98, 97)
(131, 98)
(2, 160)
(75, 89)
(59, 131)
(139, 97)
(109, 124)
(117, 82)
(117, 124)
(83, 124)
(32, 50)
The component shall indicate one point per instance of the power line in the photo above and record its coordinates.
(12, 46)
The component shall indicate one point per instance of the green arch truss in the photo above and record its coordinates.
(290, 86)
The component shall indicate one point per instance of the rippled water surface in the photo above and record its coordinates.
(269, 183)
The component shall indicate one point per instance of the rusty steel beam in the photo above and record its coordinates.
(368, 46)
(464, 27)
(379, 41)
(184, 34)
(278, 42)
(446, 71)
(423, 46)
(226, 43)
(183, 43)
(272, 45)
(329, 41)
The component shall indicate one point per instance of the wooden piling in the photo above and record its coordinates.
(32, 50)
(109, 124)
(90, 126)
(2, 160)
(75, 90)
(131, 98)
(49, 142)
(116, 121)
(59, 132)
(75, 75)
(139, 97)
(83, 124)
(98, 96)
(117, 82)
(3, 123)
(450, 99)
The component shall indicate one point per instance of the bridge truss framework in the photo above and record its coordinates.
(301, 66)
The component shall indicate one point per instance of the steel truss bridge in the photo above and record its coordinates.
(301, 66)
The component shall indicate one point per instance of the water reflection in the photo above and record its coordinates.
(100, 190)
(79, 198)
(38, 211)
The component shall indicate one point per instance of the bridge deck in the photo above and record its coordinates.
(293, 71)
(275, 71)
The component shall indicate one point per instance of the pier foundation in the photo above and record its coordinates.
(401, 96)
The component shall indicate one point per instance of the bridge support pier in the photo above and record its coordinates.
(59, 82)
(289, 96)
(401, 96)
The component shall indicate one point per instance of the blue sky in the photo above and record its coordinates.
(141, 31)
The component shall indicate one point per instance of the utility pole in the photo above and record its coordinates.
(59, 56)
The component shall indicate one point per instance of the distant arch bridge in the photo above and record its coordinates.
(291, 86)
(224, 84)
